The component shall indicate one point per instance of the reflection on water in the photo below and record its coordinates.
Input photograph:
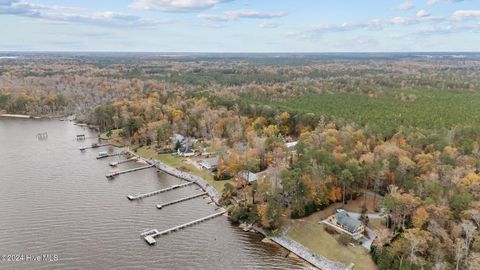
(56, 200)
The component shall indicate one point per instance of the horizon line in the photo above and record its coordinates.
(236, 52)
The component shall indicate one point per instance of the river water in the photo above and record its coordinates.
(55, 201)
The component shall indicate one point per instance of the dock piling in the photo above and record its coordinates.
(160, 206)
(141, 196)
(150, 235)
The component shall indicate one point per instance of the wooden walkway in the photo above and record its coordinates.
(92, 147)
(141, 196)
(113, 174)
(150, 235)
(116, 163)
(128, 160)
(110, 155)
(160, 206)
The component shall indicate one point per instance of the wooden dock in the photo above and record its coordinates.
(93, 146)
(113, 174)
(109, 155)
(141, 196)
(116, 163)
(150, 235)
(160, 206)
(128, 160)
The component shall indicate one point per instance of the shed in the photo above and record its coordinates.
(209, 163)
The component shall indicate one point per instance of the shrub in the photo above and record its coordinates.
(330, 230)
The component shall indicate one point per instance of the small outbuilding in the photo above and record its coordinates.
(210, 164)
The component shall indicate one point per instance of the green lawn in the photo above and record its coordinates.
(115, 139)
(178, 162)
(312, 235)
(115, 134)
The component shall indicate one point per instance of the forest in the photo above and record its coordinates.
(404, 127)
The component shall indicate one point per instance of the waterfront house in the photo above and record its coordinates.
(346, 224)
(248, 176)
(209, 164)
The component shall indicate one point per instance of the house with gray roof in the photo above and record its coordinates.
(346, 224)
(210, 164)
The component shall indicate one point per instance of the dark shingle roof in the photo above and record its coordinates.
(348, 222)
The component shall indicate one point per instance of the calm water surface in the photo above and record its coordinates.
(56, 200)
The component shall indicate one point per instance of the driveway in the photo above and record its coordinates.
(367, 242)
(370, 216)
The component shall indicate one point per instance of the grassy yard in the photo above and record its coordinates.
(312, 235)
(179, 163)
(115, 134)
(114, 139)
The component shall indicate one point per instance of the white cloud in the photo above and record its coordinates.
(401, 21)
(254, 14)
(434, 2)
(268, 25)
(234, 15)
(176, 5)
(75, 15)
(422, 17)
(422, 14)
(406, 6)
(465, 14)
(214, 17)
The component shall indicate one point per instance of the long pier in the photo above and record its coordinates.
(115, 163)
(128, 160)
(141, 196)
(150, 235)
(160, 206)
(113, 174)
(94, 146)
(102, 155)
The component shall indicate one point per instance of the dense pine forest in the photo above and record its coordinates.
(403, 127)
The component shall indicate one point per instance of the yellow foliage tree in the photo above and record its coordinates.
(420, 217)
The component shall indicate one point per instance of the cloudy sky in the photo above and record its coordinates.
(240, 25)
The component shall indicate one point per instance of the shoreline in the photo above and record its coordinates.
(19, 116)
(34, 117)
(286, 243)
(302, 252)
(292, 246)
(202, 183)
